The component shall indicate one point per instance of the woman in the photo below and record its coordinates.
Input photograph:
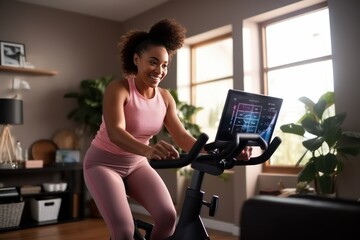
(134, 109)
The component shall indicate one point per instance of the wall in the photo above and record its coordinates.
(345, 35)
(77, 46)
(80, 47)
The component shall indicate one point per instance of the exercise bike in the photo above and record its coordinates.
(220, 156)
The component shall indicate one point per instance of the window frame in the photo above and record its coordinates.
(267, 168)
(192, 48)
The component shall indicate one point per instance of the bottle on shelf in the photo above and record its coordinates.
(19, 154)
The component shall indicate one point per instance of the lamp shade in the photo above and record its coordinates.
(11, 111)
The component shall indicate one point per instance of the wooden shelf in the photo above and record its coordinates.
(72, 206)
(31, 71)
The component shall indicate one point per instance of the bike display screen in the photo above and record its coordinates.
(246, 112)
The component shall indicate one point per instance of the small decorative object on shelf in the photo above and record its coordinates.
(12, 54)
(34, 164)
(12, 59)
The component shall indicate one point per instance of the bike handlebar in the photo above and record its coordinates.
(264, 156)
(185, 159)
(251, 138)
(223, 155)
(216, 163)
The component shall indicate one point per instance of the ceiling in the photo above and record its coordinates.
(116, 10)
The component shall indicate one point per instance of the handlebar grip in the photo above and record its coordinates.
(264, 156)
(254, 140)
(251, 139)
(186, 159)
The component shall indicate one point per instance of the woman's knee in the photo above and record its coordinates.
(167, 218)
(123, 233)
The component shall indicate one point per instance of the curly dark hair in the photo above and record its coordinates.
(167, 33)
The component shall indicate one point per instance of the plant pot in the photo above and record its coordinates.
(325, 185)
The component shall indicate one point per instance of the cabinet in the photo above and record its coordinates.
(72, 199)
(29, 71)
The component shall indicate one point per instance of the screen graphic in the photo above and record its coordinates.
(248, 113)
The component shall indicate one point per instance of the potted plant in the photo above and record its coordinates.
(327, 142)
(185, 113)
(89, 110)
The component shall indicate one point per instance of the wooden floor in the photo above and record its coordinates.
(88, 229)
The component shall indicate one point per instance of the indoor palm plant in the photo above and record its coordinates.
(185, 113)
(326, 140)
(88, 112)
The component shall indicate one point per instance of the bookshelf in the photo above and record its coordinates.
(72, 199)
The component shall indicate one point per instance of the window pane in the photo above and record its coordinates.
(311, 80)
(213, 60)
(298, 38)
(211, 97)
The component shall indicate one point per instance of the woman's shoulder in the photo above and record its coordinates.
(118, 87)
(118, 84)
(165, 93)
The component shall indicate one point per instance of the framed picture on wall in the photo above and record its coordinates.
(12, 54)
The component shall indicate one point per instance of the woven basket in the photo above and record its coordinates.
(10, 214)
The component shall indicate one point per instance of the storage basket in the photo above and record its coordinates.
(45, 210)
(10, 214)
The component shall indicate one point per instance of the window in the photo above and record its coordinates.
(297, 62)
(211, 75)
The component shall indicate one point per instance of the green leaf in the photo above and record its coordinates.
(339, 166)
(333, 136)
(314, 143)
(89, 99)
(319, 108)
(309, 104)
(326, 163)
(329, 98)
(307, 174)
(334, 121)
(351, 149)
(293, 128)
(312, 126)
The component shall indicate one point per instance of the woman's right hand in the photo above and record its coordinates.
(162, 150)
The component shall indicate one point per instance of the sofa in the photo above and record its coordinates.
(299, 217)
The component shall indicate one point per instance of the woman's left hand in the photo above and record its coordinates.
(245, 154)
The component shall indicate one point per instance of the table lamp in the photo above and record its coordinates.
(11, 113)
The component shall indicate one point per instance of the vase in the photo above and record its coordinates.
(325, 185)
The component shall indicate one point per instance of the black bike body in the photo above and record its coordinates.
(220, 156)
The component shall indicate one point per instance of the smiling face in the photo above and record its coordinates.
(152, 67)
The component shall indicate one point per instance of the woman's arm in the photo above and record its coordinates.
(179, 134)
(115, 97)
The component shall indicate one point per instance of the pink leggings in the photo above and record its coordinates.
(111, 178)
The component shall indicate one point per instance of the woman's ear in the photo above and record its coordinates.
(136, 59)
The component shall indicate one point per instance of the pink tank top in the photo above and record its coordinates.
(144, 118)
